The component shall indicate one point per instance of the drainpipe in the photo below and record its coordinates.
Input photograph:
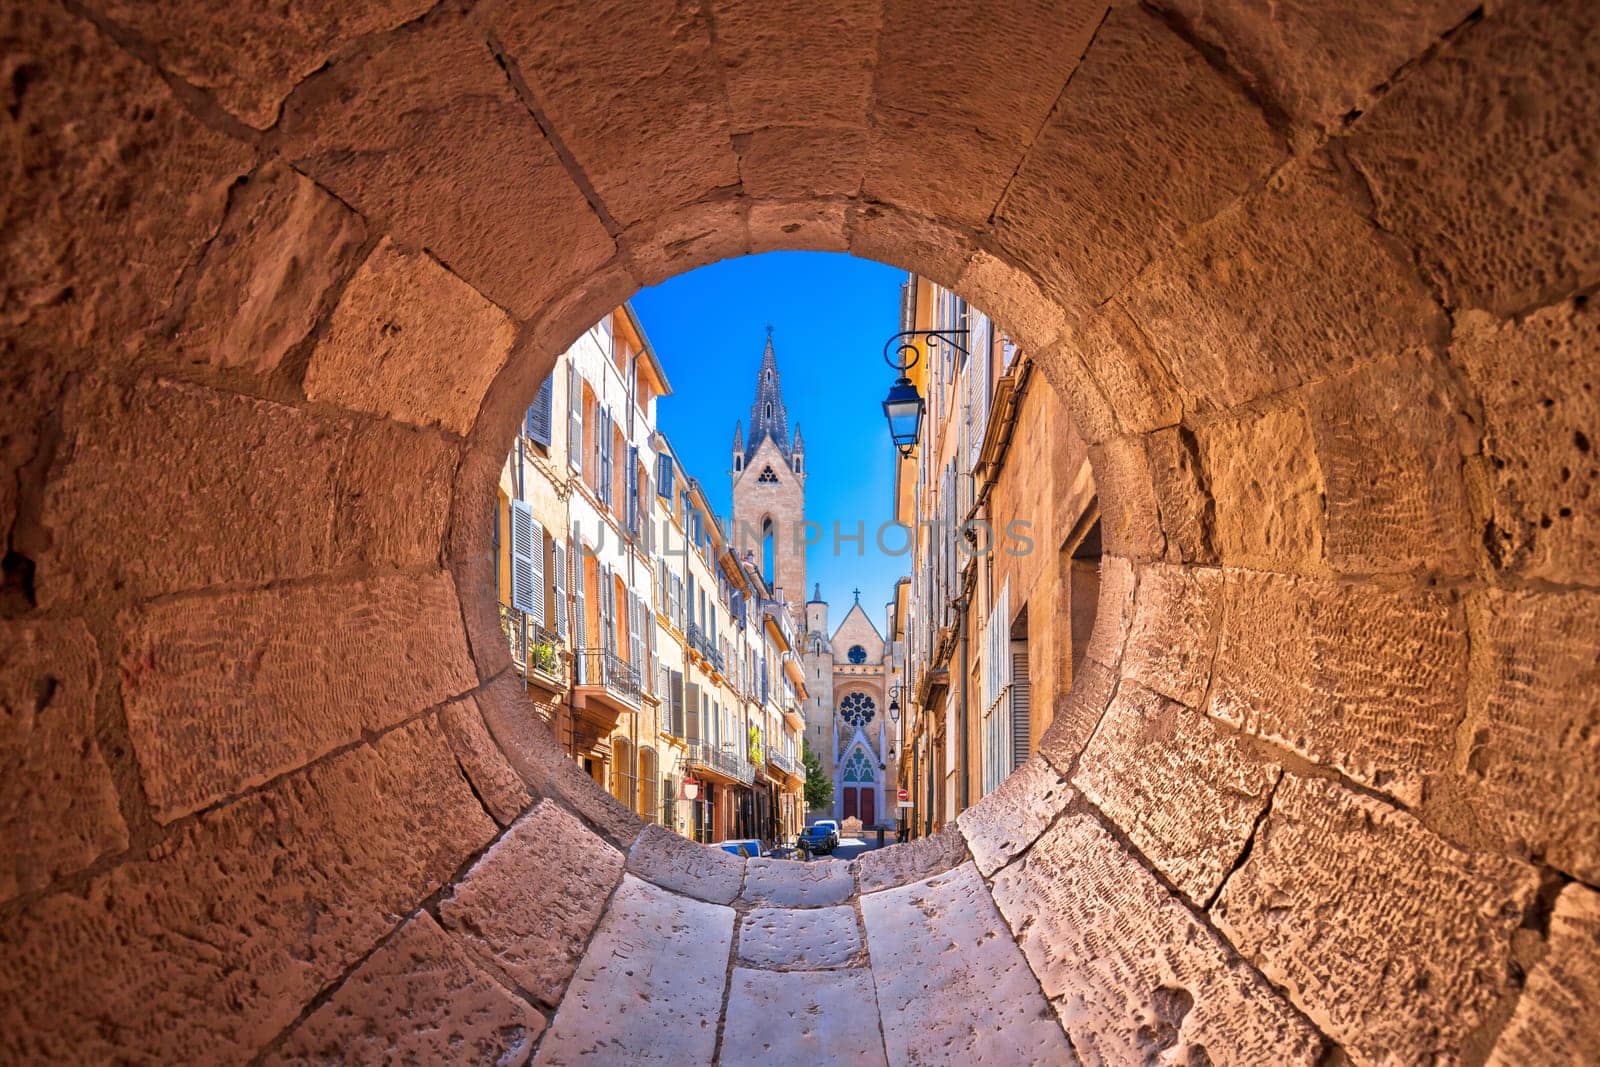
(966, 765)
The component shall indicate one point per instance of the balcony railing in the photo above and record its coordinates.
(782, 762)
(723, 761)
(598, 668)
(702, 643)
(531, 646)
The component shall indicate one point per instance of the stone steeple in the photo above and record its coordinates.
(768, 417)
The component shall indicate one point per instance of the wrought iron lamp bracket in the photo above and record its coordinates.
(905, 352)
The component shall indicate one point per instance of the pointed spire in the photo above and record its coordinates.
(799, 441)
(738, 435)
(768, 417)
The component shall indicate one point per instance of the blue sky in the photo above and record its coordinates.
(830, 315)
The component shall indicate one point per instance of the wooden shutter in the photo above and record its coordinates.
(1021, 704)
(603, 429)
(527, 562)
(675, 700)
(664, 475)
(691, 722)
(636, 632)
(580, 628)
(574, 418)
(539, 413)
(631, 484)
(559, 587)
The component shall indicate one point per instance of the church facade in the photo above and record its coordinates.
(847, 669)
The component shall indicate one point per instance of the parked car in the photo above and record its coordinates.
(832, 827)
(747, 847)
(818, 840)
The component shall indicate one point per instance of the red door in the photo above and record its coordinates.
(869, 804)
(849, 801)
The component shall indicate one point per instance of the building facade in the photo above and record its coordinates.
(637, 630)
(996, 615)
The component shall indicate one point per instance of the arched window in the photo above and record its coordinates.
(857, 654)
(768, 552)
(769, 408)
(858, 768)
(857, 709)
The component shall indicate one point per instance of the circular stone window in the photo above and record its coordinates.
(857, 654)
(857, 709)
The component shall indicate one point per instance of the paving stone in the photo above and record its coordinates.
(1367, 681)
(1394, 942)
(789, 61)
(58, 805)
(815, 1017)
(1006, 821)
(250, 58)
(1530, 757)
(1177, 615)
(799, 937)
(790, 884)
(952, 985)
(1268, 490)
(1186, 792)
(1492, 205)
(428, 135)
(647, 123)
(1081, 209)
(649, 989)
(885, 868)
(1134, 976)
(1554, 1019)
(1539, 433)
(419, 998)
(206, 950)
(411, 341)
(532, 900)
(674, 862)
(201, 678)
(502, 790)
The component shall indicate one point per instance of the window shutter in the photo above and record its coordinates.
(604, 605)
(632, 482)
(539, 413)
(580, 628)
(664, 475)
(692, 713)
(574, 418)
(1021, 704)
(675, 698)
(635, 632)
(527, 562)
(558, 552)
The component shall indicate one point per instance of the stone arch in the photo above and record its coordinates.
(1340, 402)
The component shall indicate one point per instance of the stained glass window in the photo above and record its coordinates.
(857, 709)
(858, 768)
(857, 654)
(768, 475)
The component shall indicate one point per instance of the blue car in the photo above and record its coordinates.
(818, 839)
(748, 848)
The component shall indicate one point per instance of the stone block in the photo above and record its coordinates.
(1129, 372)
(1177, 615)
(502, 791)
(108, 170)
(241, 490)
(801, 1017)
(1529, 754)
(646, 123)
(885, 868)
(1388, 451)
(1215, 311)
(209, 948)
(1114, 616)
(1000, 74)
(1133, 975)
(58, 804)
(649, 989)
(1268, 490)
(1553, 1022)
(1064, 370)
(803, 225)
(1394, 942)
(282, 251)
(420, 998)
(802, 161)
(1322, 65)
(799, 938)
(531, 902)
(1008, 820)
(787, 884)
(1493, 204)
(1077, 714)
(1130, 515)
(1187, 793)
(1012, 297)
(791, 63)
(429, 137)
(952, 986)
(901, 238)
(1366, 681)
(394, 495)
(1540, 392)
(1081, 209)
(222, 693)
(679, 241)
(250, 58)
(1183, 499)
(411, 341)
(683, 866)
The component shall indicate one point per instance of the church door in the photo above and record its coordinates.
(868, 805)
(850, 802)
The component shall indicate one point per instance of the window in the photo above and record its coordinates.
(858, 768)
(768, 551)
(857, 654)
(768, 476)
(857, 709)
(537, 421)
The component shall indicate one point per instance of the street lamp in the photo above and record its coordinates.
(903, 407)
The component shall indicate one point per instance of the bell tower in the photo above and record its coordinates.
(769, 488)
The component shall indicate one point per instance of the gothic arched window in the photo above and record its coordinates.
(768, 475)
(857, 654)
(858, 768)
(858, 709)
